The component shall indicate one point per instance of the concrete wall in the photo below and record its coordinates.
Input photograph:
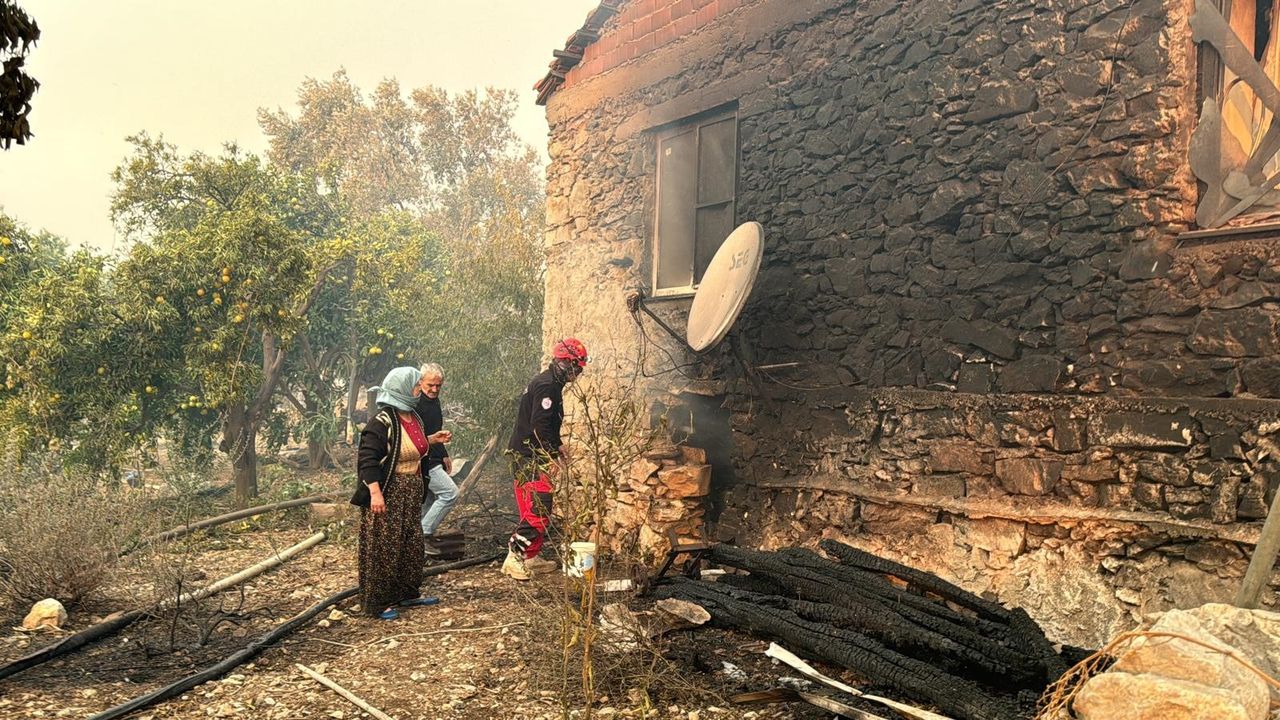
(1010, 370)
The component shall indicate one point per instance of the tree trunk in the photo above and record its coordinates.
(317, 454)
(240, 441)
(353, 390)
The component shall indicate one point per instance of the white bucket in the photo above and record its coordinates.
(582, 559)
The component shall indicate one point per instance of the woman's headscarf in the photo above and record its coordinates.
(396, 389)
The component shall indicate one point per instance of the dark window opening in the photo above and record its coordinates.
(697, 185)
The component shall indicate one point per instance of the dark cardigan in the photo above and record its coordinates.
(379, 447)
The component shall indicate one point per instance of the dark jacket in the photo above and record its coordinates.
(539, 417)
(432, 421)
(379, 447)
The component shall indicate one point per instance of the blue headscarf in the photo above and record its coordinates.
(396, 389)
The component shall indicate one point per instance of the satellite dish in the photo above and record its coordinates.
(725, 286)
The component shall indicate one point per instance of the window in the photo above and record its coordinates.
(1235, 148)
(697, 182)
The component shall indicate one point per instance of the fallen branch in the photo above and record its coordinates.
(473, 472)
(189, 528)
(115, 624)
(350, 696)
(255, 648)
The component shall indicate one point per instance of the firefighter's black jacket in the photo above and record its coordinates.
(540, 414)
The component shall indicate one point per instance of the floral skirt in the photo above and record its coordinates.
(391, 551)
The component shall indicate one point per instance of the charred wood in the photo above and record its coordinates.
(853, 557)
(846, 589)
(895, 595)
(870, 659)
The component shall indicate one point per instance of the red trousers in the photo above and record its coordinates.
(533, 500)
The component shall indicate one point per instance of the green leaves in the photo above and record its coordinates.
(18, 32)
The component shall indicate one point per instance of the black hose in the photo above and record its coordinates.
(257, 646)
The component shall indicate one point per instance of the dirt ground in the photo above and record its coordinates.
(488, 650)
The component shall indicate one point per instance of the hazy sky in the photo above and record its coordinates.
(198, 72)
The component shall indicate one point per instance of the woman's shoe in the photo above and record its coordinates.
(419, 602)
(389, 614)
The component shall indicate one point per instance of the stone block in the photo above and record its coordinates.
(1068, 432)
(1166, 470)
(1247, 332)
(642, 470)
(999, 99)
(1212, 555)
(1225, 445)
(984, 334)
(1261, 378)
(1028, 476)
(959, 457)
(946, 202)
(1100, 471)
(1185, 495)
(976, 378)
(686, 481)
(693, 455)
(1150, 495)
(1142, 430)
(998, 536)
(949, 486)
(1031, 374)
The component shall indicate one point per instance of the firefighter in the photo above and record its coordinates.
(538, 456)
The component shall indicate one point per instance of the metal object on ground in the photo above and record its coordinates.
(694, 550)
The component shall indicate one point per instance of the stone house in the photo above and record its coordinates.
(1016, 317)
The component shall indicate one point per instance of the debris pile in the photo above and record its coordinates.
(663, 495)
(894, 626)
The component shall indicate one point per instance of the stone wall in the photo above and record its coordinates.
(993, 344)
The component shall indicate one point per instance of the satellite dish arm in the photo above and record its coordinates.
(635, 302)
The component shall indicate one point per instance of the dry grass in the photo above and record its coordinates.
(61, 532)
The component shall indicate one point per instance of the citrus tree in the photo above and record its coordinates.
(454, 162)
(230, 256)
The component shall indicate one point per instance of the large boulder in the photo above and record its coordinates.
(1191, 665)
(47, 613)
(1124, 696)
(1255, 633)
(1195, 656)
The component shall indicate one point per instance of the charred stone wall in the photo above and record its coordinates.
(996, 358)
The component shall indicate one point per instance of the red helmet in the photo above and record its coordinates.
(571, 349)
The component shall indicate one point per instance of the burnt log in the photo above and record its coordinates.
(890, 593)
(845, 589)
(844, 647)
(853, 557)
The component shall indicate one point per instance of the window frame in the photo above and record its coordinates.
(693, 123)
(1209, 75)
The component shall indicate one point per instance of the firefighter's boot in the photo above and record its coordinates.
(539, 565)
(514, 567)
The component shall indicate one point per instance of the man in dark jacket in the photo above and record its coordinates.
(441, 493)
(537, 455)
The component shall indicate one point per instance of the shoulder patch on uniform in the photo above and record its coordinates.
(546, 403)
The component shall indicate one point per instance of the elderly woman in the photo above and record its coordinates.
(393, 451)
